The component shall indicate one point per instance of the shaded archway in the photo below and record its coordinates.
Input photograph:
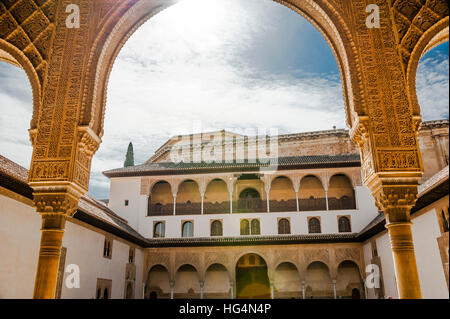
(282, 195)
(187, 282)
(188, 199)
(287, 282)
(318, 279)
(249, 201)
(217, 198)
(160, 200)
(252, 281)
(349, 283)
(311, 194)
(158, 283)
(217, 282)
(341, 194)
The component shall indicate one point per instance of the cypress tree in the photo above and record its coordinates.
(129, 158)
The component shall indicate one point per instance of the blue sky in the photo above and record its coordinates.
(206, 65)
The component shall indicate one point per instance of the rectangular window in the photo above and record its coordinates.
(127, 202)
(107, 247)
(131, 255)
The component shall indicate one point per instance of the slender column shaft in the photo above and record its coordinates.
(334, 289)
(272, 292)
(232, 290)
(174, 204)
(231, 203)
(172, 285)
(202, 284)
(408, 284)
(203, 199)
(296, 200)
(326, 199)
(52, 232)
(303, 290)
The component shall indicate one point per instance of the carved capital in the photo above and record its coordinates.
(395, 197)
(56, 200)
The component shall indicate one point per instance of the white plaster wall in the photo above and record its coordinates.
(387, 265)
(367, 251)
(431, 275)
(126, 188)
(19, 249)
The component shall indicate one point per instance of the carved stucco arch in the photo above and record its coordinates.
(12, 55)
(357, 264)
(151, 266)
(437, 34)
(264, 255)
(128, 16)
(349, 177)
(156, 181)
(229, 273)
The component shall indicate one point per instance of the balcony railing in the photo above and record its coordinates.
(289, 205)
(249, 205)
(341, 203)
(306, 204)
(216, 208)
(160, 210)
(188, 209)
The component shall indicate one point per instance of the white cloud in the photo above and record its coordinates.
(432, 85)
(196, 62)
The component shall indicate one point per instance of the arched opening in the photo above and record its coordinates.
(349, 283)
(188, 199)
(252, 281)
(319, 281)
(160, 201)
(344, 225)
(187, 229)
(282, 195)
(314, 225)
(311, 194)
(16, 109)
(217, 198)
(284, 226)
(159, 230)
(187, 284)
(217, 282)
(255, 227)
(216, 228)
(341, 194)
(158, 283)
(245, 227)
(287, 282)
(432, 89)
(249, 201)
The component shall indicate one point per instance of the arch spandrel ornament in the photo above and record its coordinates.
(73, 66)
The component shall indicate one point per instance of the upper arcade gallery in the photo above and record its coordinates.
(68, 66)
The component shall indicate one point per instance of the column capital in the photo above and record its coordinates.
(395, 196)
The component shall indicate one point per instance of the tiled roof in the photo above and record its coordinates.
(87, 204)
(250, 240)
(428, 187)
(168, 167)
(12, 169)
